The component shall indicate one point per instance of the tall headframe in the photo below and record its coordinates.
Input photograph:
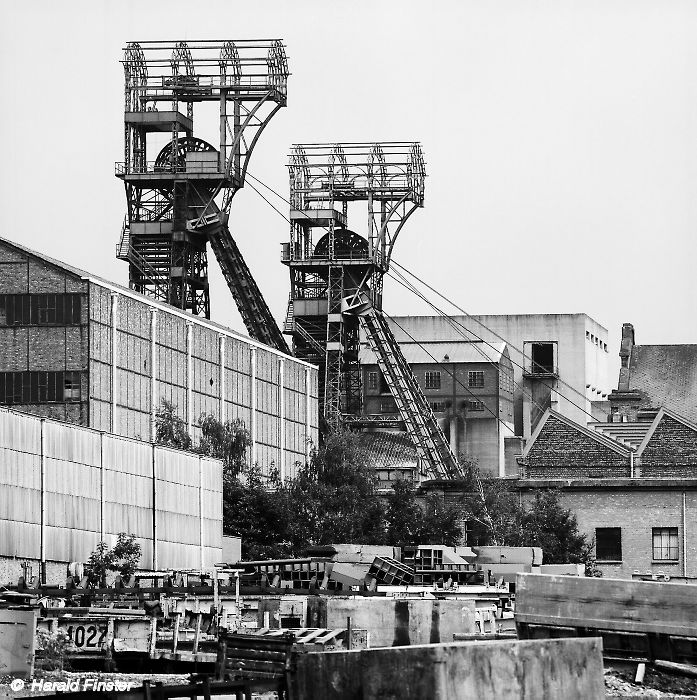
(179, 200)
(336, 276)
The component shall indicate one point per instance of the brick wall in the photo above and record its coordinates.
(562, 451)
(44, 348)
(671, 451)
(636, 511)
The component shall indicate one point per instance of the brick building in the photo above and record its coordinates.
(641, 526)
(77, 348)
(469, 386)
(632, 486)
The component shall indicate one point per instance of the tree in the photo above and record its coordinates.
(412, 521)
(170, 429)
(544, 523)
(122, 558)
(226, 441)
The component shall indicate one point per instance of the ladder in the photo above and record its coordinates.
(431, 444)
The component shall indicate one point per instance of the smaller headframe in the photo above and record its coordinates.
(388, 170)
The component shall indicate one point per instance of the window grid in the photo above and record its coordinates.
(665, 544)
(372, 380)
(475, 406)
(40, 309)
(39, 387)
(432, 380)
(437, 406)
(475, 379)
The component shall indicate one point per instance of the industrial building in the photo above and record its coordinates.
(469, 387)
(560, 361)
(77, 348)
(66, 488)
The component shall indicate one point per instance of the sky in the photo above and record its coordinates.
(560, 141)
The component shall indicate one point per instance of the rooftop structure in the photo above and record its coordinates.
(652, 376)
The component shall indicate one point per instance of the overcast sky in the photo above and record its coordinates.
(560, 139)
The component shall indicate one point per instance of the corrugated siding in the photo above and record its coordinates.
(83, 469)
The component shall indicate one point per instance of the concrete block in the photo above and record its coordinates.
(561, 668)
(395, 622)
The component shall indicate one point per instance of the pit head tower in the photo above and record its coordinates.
(179, 185)
(348, 205)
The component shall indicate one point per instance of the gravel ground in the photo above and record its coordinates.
(619, 682)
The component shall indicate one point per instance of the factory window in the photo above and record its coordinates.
(432, 380)
(542, 358)
(372, 380)
(665, 543)
(39, 387)
(40, 309)
(475, 379)
(388, 406)
(608, 544)
(475, 406)
(437, 406)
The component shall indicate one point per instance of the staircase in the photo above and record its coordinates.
(153, 271)
(430, 443)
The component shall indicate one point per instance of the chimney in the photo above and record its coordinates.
(626, 347)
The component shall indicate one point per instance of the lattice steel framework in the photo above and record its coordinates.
(180, 201)
(337, 277)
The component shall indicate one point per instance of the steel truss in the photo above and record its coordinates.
(337, 279)
(180, 201)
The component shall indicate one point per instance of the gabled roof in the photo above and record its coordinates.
(604, 440)
(428, 353)
(390, 449)
(655, 423)
(665, 375)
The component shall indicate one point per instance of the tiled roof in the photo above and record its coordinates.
(390, 449)
(665, 375)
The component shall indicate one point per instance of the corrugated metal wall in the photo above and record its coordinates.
(195, 364)
(64, 488)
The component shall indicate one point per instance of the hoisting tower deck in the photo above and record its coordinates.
(180, 201)
(336, 277)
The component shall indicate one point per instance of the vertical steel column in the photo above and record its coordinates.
(253, 404)
(153, 374)
(221, 378)
(308, 414)
(114, 358)
(101, 487)
(281, 421)
(154, 507)
(200, 512)
(42, 479)
(189, 404)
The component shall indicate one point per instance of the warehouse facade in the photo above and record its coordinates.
(80, 349)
